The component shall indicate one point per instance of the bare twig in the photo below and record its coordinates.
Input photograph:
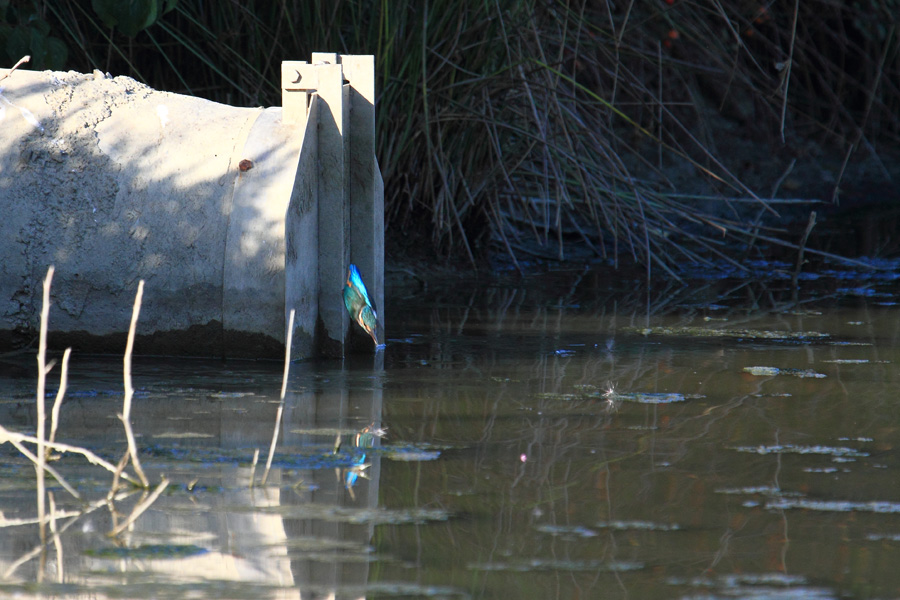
(287, 354)
(253, 467)
(781, 179)
(43, 466)
(41, 390)
(22, 60)
(129, 390)
(284, 380)
(13, 437)
(57, 542)
(802, 248)
(140, 508)
(60, 393)
(789, 64)
(118, 471)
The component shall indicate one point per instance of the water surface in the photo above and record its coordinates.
(563, 440)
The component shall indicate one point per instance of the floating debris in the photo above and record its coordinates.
(872, 506)
(642, 525)
(758, 586)
(650, 397)
(835, 451)
(753, 334)
(567, 530)
(324, 431)
(731, 581)
(889, 537)
(399, 590)
(558, 565)
(773, 371)
(766, 490)
(848, 361)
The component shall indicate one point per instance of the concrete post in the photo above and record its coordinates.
(350, 195)
(366, 205)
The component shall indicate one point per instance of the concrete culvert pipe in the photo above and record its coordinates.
(111, 182)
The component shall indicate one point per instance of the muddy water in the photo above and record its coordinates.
(540, 444)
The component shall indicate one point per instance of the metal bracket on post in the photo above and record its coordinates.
(298, 80)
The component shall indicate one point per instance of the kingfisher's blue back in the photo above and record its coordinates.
(355, 280)
(356, 299)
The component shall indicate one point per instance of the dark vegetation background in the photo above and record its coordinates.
(655, 132)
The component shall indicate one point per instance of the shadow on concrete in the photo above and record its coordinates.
(112, 182)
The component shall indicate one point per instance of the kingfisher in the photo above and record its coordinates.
(356, 299)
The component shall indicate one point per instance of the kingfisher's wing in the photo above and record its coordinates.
(356, 299)
(355, 282)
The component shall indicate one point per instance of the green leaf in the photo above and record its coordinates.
(18, 43)
(35, 22)
(32, 36)
(5, 32)
(57, 53)
(37, 48)
(128, 16)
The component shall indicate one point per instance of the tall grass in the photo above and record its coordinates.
(554, 128)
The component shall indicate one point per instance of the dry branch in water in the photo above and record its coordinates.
(40, 463)
(13, 437)
(278, 416)
(140, 508)
(125, 417)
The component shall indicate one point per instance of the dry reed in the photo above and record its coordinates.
(555, 130)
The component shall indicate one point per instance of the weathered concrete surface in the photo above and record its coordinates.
(231, 216)
(112, 182)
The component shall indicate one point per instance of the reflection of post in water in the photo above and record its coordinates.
(338, 529)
